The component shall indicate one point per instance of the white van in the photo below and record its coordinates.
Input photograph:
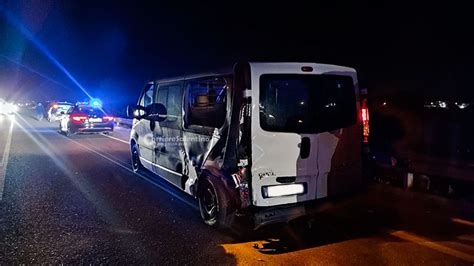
(261, 138)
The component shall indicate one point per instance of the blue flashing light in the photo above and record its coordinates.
(96, 103)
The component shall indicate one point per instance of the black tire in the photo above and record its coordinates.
(214, 203)
(136, 164)
(68, 132)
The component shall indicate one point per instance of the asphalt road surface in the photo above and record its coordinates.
(75, 200)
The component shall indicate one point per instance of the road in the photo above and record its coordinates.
(75, 200)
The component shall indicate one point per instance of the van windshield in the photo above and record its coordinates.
(306, 103)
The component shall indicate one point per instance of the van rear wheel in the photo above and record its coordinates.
(213, 203)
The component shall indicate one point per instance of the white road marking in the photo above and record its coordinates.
(117, 139)
(432, 245)
(4, 162)
(462, 221)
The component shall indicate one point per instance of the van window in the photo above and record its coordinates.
(306, 103)
(206, 103)
(147, 98)
(170, 95)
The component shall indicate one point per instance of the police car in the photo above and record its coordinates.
(86, 117)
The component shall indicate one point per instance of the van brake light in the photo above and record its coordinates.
(365, 121)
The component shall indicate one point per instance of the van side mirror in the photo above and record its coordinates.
(136, 111)
(156, 112)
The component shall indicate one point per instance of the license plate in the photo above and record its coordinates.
(95, 120)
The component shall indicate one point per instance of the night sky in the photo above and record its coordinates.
(113, 47)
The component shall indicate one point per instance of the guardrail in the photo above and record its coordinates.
(124, 122)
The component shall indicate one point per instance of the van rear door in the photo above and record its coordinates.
(302, 111)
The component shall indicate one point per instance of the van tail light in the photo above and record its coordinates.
(108, 118)
(365, 121)
(78, 118)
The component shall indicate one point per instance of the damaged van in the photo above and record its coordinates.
(261, 139)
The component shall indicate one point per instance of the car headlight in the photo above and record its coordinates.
(3, 108)
(9, 108)
(283, 190)
(14, 108)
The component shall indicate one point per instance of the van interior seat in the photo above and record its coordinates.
(202, 101)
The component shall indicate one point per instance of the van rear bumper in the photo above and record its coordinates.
(269, 215)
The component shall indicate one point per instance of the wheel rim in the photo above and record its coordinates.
(210, 202)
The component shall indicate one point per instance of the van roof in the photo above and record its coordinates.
(223, 72)
(282, 66)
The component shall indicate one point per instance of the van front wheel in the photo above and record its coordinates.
(213, 203)
(136, 164)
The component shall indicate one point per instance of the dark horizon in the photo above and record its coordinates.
(113, 49)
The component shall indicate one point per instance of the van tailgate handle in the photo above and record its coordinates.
(305, 147)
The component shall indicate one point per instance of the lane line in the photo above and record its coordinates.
(462, 221)
(432, 245)
(117, 139)
(4, 163)
(156, 184)
(469, 238)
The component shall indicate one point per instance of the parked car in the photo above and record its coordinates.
(86, 119)
(56, 110)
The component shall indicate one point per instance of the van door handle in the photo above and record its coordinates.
(305, 147)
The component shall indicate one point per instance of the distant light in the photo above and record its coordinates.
(440, 104)
(300, 121)
(8, 108)
(462, 105)
(384, 103)
(302, 103)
